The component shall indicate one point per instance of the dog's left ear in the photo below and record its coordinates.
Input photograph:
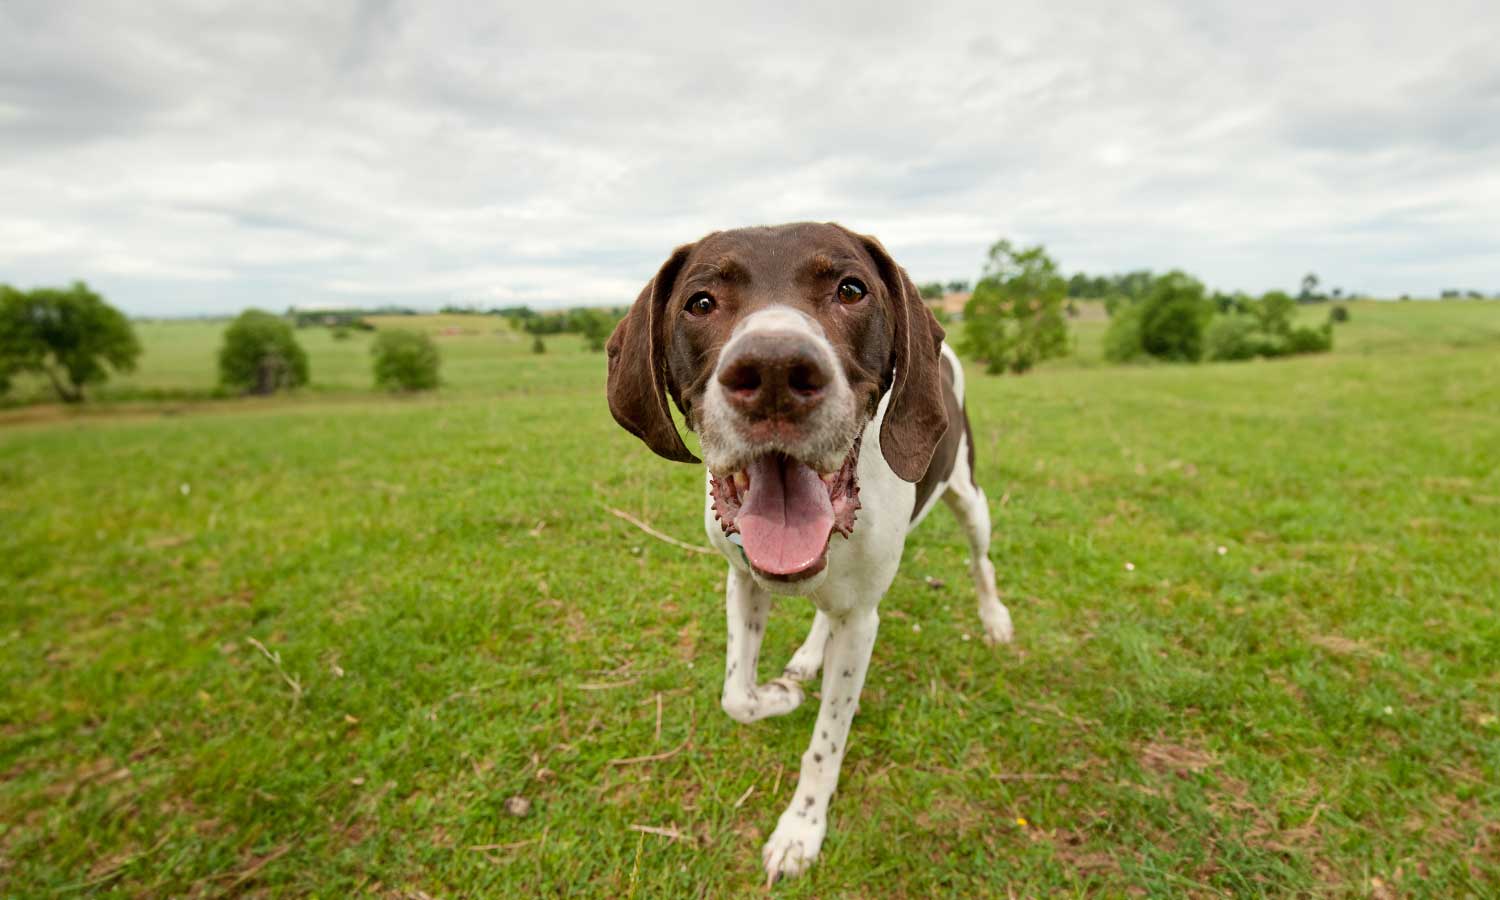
(638, 377)
(915, 419)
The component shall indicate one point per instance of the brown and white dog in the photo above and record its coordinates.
(832, 419)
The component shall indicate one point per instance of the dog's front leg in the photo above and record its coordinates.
(799, 834)
(749, 606)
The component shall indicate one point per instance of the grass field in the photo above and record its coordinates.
(310, 646)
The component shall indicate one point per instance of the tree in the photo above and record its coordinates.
(957, 286)
(932, 290)
(260, 355)
(1014, 318)
(405, 360)
(67, 334)
(1309, 288)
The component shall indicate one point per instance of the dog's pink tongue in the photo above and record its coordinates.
(786, 519)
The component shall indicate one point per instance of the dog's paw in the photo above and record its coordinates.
(793, 846)
(997, 626)
(774, 698)
(803, 666)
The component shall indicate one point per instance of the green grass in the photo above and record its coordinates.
(1316, 707)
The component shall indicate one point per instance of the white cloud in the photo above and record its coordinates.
(201, 157)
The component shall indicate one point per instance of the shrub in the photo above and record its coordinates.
(405, 361)
(538, 345)
(1014, 318)
(595, 325)
(1309, 340)
(1122, 342)
(260, 355)
(67, 334)
(341, 333)
(1173, 315)
(1338, 314)
(1232, 337)
(1265, 329)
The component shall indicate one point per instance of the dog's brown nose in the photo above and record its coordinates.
(774, 376)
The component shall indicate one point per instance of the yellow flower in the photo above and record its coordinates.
(1021, 822)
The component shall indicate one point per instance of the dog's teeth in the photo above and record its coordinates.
(741, 481)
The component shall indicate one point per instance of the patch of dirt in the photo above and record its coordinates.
(1164, 757)
(1343, 646)
(687, 641)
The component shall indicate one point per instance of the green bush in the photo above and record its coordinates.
(538, 345)
(1265, 329)
(1122, 342)
(260, 355)
(1014, 318)
(1309, 340)
(1338, 314)
(405, 361)
(1167, 323)
(1233, 337)
(1173, 316)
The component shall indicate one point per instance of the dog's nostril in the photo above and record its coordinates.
(806, 379)
(741, 378)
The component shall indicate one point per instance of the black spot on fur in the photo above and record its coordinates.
(817, 757)
(808, 800)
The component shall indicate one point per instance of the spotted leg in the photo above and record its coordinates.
(799, 834)
(972, 510)
(744, 700)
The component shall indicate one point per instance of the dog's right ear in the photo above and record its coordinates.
(638, 373)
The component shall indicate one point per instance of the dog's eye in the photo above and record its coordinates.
(851, 290)
(700, 304)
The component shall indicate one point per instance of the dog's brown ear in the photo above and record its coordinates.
(916, 418)
(638, 377)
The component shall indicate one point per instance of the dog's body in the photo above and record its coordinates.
(827, 402)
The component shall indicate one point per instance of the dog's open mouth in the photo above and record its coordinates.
(785, 511)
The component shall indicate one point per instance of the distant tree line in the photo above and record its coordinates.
(594, 323)
(937, 290)
(313, 317)
(1016, 315)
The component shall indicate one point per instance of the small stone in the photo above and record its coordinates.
(519, 807)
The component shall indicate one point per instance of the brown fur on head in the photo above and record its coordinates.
(887, 341)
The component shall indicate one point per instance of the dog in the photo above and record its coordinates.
(831, 418)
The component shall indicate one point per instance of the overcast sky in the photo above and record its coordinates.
(201, 157)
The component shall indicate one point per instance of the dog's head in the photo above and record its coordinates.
(777, 344)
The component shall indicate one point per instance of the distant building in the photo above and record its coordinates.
(951, 305)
